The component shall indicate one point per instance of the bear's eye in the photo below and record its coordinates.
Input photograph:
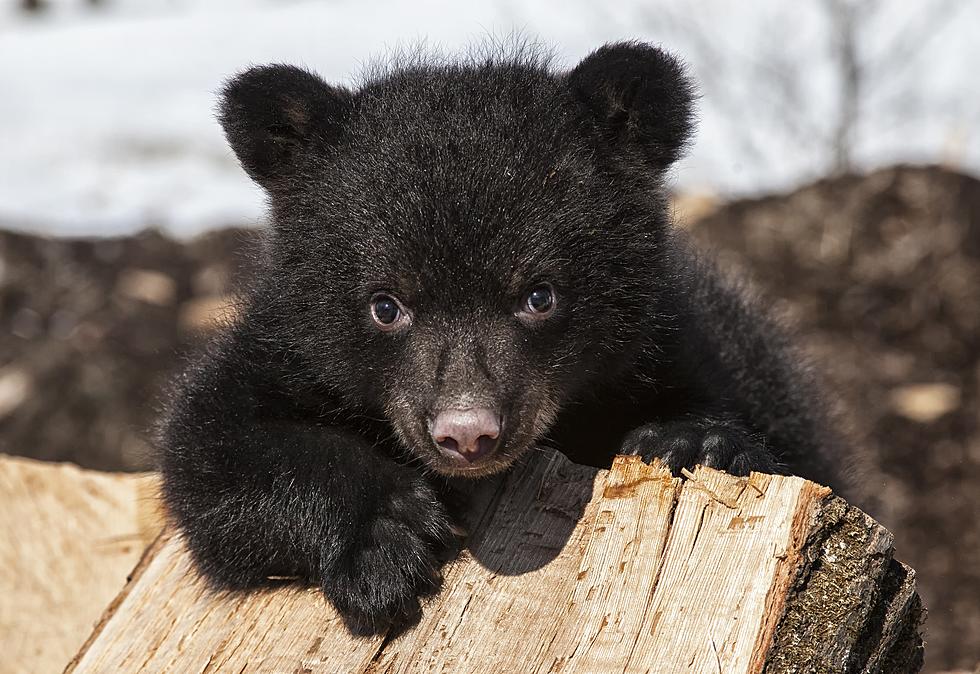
(387, 312)
(540, 301)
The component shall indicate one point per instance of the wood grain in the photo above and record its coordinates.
(567, 569)
(68, 539)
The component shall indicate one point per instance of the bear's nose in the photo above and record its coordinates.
(471, 433)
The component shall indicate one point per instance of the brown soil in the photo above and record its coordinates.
(91, 329)
(879, 274)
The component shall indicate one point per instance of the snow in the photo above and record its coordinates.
(107, 122)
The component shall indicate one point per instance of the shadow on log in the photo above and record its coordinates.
(644, 573)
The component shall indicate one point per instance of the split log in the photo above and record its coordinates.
(572, 569)
(68, 539)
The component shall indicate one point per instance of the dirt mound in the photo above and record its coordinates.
(880, 274)
(91, 329)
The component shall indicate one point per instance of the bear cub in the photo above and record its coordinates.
(468, 258)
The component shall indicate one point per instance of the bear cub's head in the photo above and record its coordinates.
(463, 247)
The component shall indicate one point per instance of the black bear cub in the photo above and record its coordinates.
(468, 258)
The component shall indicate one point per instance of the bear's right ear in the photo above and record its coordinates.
(271, 113)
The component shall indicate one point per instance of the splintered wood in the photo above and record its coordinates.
(571, 569)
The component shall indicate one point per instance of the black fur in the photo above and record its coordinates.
(299, 445)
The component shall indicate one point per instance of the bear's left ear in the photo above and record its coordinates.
(271, 114)
(637, 96)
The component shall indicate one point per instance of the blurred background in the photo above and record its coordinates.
(835, 166)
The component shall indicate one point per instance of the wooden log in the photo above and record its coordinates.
(68, 539)
(572, 569)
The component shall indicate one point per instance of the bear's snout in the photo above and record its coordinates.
(469, 434)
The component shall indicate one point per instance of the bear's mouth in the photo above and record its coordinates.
(451, 465)
(486, 468)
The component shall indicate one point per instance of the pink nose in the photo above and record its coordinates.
(471, 433)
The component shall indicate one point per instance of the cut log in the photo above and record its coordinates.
(68, 539)
(572, 569)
